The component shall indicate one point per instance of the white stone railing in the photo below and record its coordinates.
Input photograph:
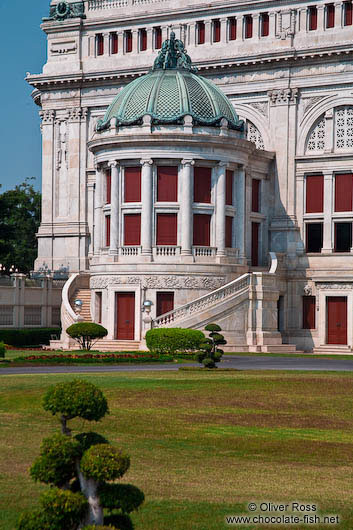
(202, 303)
(166, 251)
(130, 251)
(95, 5)
(68, 315)
(204, 251)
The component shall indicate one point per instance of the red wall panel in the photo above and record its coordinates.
(229, 187)
(202, 225)
(132, 229)
(309, 312)
(167, 184)
(216, 31)
(343, 192)
(312, 18)
(158, 38)
(143, 40)
(265, 25)
(330, 16)
(200, 33)
(248, 27)
(232, 28)
(229, 231)
(255, 195)
(107, 231)
(167, 229)
(348, 14)
(202, 184)
(255, 244)
(132, 184)
(114, 43)
(100, 44)
(128, 41)
(314, 194)
(108, 187)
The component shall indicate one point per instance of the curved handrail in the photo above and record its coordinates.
(274, 262)
(203, 301)
(66, 299)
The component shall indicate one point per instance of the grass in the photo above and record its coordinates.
(202, 445)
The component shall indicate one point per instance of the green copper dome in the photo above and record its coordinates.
(170, 91)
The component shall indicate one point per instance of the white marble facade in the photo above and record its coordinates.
(288, 72)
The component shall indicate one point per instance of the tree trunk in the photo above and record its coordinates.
(64, 427)
(89, 488)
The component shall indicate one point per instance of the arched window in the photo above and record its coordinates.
(343, 128)
(316, 141)
(254, 135)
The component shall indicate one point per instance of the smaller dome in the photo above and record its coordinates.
(169, 92)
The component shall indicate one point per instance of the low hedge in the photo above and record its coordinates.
(172, 340)
(90, 358)
(28, 336)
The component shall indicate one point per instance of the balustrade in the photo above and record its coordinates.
(130, 251)
(204, 251)
(166, 251)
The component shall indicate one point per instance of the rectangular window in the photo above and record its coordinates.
(255, 195)
(248, 27)
(200, 32)
(157, 37)
(100, 44)
(216, 30)
(128, 41)
(343, 192)
(114, 43)
(167, 229)
(107, 230)
(108, 187)
(99, 307)
(165, 303)
(202, 184)
(309, 312)
(143, 39)
(314, 194)
(255, 229)
(232, 28)
(314, 237)
(229, 187)
(343, 237)
(330, 15)
(265, 24)
(132, 229)
(312, 14)
(202, 226)
(132, 184)
(229, 231)
(348, 14)
(167, 184)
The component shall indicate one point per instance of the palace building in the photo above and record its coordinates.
(198, 167)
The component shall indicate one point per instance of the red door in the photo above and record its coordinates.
(336, 320)
(165, 303)
(125, 316)
(255, 244)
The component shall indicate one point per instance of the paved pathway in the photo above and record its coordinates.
(242, 362)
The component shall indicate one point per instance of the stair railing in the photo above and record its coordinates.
(205, 301)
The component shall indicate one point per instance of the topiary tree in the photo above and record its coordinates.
(210, 353)
(86, 333)
(82, 470)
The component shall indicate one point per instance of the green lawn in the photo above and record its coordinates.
(202, 445)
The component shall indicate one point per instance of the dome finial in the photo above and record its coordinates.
(173, 56)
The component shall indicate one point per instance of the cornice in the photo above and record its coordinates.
(290, 57)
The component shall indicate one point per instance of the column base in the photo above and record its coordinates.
(328, 250)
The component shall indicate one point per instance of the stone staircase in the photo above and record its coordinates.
(116, 345)
(85, 296)
(333, 349)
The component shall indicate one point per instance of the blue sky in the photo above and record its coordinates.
(23, 46)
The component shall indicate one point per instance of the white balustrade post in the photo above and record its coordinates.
(147, 206)
(186, 206)
(98, 197)
(114, 212)
(221, 210)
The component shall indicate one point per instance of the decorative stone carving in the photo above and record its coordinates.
(47, 116)
(316, 141)
(283, 96)
(61, 145)
(160, 282)
(308, 290)
(254, 136)
(261, 107)
(75, 114)
(310, 102)
(286, 24)
(63, 48)
(63, 10)
(336, 286)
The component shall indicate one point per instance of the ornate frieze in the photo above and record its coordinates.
(310, 102)
(63, 10)
(283, 96)
(160, 281)
(335, 286)
(47, 116)
(262, 108)
(286, 24)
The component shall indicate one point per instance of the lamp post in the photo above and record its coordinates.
(147, 320)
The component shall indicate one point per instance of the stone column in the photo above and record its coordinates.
(321, 17)
(193, 34)
(240, 213)
(186, 206)
(300, 205)
(135, 38)
(272, 24)
(224, 30)
(328, 207)
(98, 210)
(149, 39)
(256, 26)
(147, 206)
(121, 46)
(221, 210)
(302, 16)
(338, 14)
(208, 32)
(329, 137)
(114, 211)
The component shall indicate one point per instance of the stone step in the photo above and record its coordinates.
(85, 296)
(280, 348)
(333, 349)
(117, 345)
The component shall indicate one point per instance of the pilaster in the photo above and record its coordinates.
(328, 208)
(240, 212)
(114, 212)
(221, 209)
(98, 204)
(187, 174)
(147, 207)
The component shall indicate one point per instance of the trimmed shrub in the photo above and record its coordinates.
(2, 350)
(210, 353)
(124, 497)
(86, 333)
(28, 336)
(104, 462)
(172, 340)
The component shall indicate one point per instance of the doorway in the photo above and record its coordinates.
(125, 316)
(336, 320)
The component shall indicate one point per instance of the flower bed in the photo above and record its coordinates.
(92, 358)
